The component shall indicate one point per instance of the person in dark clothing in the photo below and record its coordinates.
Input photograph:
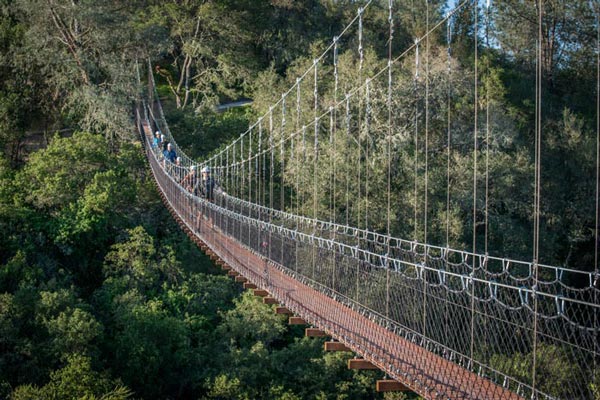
(208, 185)
(190, 181)
(207, 188)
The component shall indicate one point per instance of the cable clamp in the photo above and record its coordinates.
(524, 296)
(442, 276)
(560, 304)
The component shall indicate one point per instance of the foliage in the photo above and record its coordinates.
(75, 381)
(103, 297)
(556, 372)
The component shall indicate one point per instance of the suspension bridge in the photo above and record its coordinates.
(295, 224)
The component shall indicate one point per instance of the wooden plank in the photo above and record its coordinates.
(270, 300)
(225, 267)
(260, 292)
(314, 332)
(336, 346)
(390, 385)
(240, 279)
(360, 363)
(297, 321)
(248, 285)
(233, 273)
(283, 310)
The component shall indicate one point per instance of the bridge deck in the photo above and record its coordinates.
(421, 370)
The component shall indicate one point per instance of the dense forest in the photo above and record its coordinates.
(103, 297)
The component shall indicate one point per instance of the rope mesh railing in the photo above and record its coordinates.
(501, 319)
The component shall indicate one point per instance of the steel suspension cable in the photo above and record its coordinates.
(333, 152)
(259, 169)
(250, 175)
(315, 158)
(426, 185)
(332, 184)
(448, 147)
(227, 183)
(242, 180)
(243, 174)
(359, 121)
(348, 138)
(389, 159)
(282, 164)
(298, 113)
(487, 128)
(416, 152)
(597, 205)
(298, 164)
(358, 140)
(487, 160)
(475, 148)
(368, 139)
(537, 188)
(596, 10)
(282, 153)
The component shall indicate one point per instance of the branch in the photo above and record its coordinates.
(69, 40)
(172, 87)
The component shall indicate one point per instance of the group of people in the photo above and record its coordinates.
(203, 185)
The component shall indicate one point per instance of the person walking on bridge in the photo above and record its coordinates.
(169, 154)
(208, 185)
(156, 141)
(190, 181)
(207, 188)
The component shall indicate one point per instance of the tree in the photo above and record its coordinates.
(138, 261)
(56, 176)
(567, 31)
(94, 89)
(75, 380)
(250, 322)
(207, 38)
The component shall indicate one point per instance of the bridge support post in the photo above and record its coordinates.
(335, 346)
(248, 285)
(240, 279)
(270, 300)
(390, 385)
(360, 363)
(297, 321)
(314, 332)
(260, 292)
(283, 310)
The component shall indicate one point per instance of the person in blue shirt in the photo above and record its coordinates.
(170, 154)
(156, 140)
